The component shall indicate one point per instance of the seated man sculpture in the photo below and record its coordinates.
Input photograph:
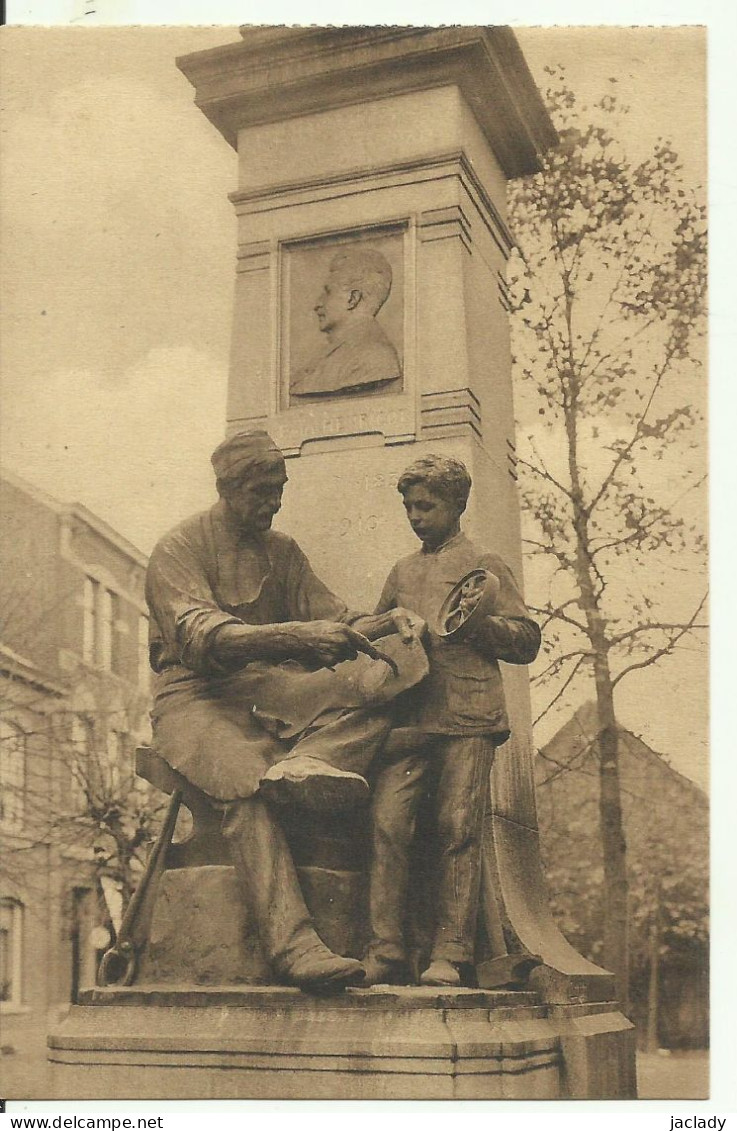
(249, 705)
(460, 708)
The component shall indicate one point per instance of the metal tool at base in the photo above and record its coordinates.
(119, 963)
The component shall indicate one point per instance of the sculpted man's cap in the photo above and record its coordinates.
(233, 458)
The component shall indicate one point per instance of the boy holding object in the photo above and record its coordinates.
(460, 707)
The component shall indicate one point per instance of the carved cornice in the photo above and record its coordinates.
(448, 412)
(443, 224)
(504, 294)
(352, 182)
(253, 256)
(512, 460)
(279, 73)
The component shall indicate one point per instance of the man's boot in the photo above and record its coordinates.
(266, 872)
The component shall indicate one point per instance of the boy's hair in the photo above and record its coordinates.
(444, 476)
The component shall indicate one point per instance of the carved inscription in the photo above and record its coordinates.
(359, 524)
(345, 424)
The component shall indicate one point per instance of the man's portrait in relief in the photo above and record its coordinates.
(356, 355)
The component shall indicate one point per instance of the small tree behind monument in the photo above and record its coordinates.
(609, 294)
(79, 794)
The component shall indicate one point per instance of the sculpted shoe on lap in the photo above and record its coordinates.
(313, 784)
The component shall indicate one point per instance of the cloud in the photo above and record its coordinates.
(117, 232)
(134, 450)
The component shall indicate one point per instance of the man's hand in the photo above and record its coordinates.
(402, 621)
(324, 642)
(316, 643)
(409, 626)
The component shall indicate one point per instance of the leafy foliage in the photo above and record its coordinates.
(609, 292)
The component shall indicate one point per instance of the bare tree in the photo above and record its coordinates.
(79, 792)
(609, 298)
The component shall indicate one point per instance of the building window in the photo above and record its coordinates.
(79, 763)
(106, 616)
(115, 751)
(11, 951)
(88, 622)
(144, 666)
(12, 775)
(98, 624)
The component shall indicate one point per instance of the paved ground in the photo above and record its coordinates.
(678, 1076)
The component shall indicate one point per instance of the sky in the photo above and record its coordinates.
(117, 271)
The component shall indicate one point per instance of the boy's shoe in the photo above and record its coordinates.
(440, 972)
(385, 971)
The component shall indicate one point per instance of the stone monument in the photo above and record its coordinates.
(370, 328)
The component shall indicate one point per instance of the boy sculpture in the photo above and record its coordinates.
(460, 707)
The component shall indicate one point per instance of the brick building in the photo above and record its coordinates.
(74, 697)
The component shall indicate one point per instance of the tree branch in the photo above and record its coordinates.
(543, 472)
(558, 662)
(665, 650)
(559, 694)
(637, 435)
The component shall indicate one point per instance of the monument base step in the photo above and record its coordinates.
(270, 1042)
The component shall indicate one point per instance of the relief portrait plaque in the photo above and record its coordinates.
(343, 317)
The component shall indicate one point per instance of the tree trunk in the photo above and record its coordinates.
(611, 823)
(616, 950)
(652, 1041)
(613, 844)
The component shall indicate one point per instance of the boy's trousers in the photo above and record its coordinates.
(461, 766)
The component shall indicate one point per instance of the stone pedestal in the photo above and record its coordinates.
(383, 1043)
(202, 933)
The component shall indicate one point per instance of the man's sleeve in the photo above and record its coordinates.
(388, 598)
(509, 634)
(183, 607)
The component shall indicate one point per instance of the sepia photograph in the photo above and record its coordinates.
(354, 594)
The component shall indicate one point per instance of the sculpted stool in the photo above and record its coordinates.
(188, 920)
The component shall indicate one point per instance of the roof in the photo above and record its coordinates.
(78, 511)
(583, 722)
